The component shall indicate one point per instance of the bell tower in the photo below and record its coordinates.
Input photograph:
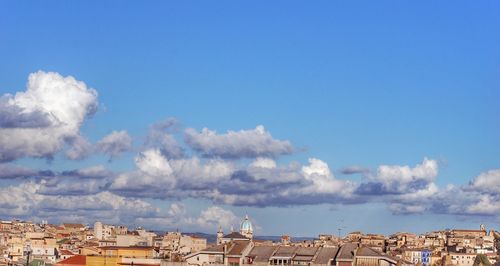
(220, 235)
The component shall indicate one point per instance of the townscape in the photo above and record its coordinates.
(70, 244)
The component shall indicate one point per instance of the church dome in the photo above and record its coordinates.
(246, 226)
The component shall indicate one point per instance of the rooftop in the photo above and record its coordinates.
(262, 253)
(325, 254)
(347, 251)
(75, 260)
(237, 248)
(235, 235)
(285, 251)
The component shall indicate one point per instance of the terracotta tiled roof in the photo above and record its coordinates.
(73, 225)
(285, 251)
(366, 251)
(237, 248)
(262, 253)
(66, 252)
(131, 247)
(306, 251)
(325, 255)
(75, 260)
(347, 251)
(217, 248)
(235, 235)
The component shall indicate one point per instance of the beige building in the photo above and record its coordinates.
(191, 244)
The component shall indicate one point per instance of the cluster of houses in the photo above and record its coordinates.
(448, 247)
(26, 243)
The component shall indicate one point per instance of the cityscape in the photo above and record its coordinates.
(71, 244)
(249, 133)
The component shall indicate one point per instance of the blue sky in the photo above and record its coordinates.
(365, 83)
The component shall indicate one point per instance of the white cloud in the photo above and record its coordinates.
(399, 208)
(79, 149)
(262, 183)
(115, 143)
(160, 136)
(487, 182)
(322, 179)
(160, 177)
(24, 201)
(216, 216)
(237, 144)
(261, 162)
(60, 103)
(152, 163)
(486, 205)
(401, 179)
(177, 217)
(11, 171)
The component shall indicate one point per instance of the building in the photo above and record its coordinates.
(246, 228)
(461, 259)
(304, 255)
(415, 255)
(376, 242)
(325, 256)
(105, 231)
(133, 240)
(65, 254)
(191, 244)
(345, 256)
(237, 252)
(245, 233)
(133, 252)
(210, 256)
(260, 255)
(77, 260)
(367, 256)
(283, 255)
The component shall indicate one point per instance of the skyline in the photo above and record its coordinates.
(378, 118)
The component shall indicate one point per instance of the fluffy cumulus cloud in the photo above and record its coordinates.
(25, 201)
(472, 199)
(79, 149)
(488, 182)
(159, 177)
(84, 181)
(237, 168)
(39, 121)
(115, 143)
(260, 183)
(28, 201)
(236, 144)
(266, 163)
(397, 179)
(11, 171)
(208, 219)
(216, 216)
(161, 136)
